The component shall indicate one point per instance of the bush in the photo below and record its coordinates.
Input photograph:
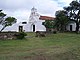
(40, 34)
(21, 35)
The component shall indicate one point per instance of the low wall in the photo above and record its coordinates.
(40, 33)
(8, 35)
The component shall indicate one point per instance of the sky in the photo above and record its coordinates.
(21, 9)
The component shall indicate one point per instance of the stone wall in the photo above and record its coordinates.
(8, 35)
(40, 33)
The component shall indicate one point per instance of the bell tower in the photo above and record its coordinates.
(33, 10)
(34, 16)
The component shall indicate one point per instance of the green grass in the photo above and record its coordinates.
(61, 46)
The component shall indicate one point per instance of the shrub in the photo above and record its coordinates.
(40, 34)
(54, 32)
(21, 35)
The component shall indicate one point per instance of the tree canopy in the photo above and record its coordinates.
(73, 13)
(70, 13)
(48, 23)
(6, 21)
(61, 20)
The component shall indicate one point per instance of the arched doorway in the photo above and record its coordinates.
(70, 27)
(20, 28)
(33, 28)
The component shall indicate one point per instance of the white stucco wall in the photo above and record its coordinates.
(38, 26)
(26, 27)
(73, 26)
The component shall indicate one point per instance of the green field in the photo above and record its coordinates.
(60, 46)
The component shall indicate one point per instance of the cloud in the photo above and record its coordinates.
(21, 15)
(21, 8)
(64, 2)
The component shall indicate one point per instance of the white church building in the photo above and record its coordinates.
(34, 24)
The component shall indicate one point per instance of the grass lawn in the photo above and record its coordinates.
(61, 46)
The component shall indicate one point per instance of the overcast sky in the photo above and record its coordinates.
(21, 9)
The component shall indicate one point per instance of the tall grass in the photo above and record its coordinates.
(61, 46)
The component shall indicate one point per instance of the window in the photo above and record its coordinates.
(24, 22)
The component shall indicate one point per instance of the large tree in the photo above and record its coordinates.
(61, 20)
(6, 21)
(73, 13)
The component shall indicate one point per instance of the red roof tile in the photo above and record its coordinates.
(46, 18)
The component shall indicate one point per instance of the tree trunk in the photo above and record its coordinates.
(62, 28)
(2, 29)
(77, 27)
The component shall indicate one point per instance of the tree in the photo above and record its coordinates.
(61, 20)
(6, 21)
(73, 13)
(49, 24)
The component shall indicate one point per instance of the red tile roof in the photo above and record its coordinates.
(46, 18)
